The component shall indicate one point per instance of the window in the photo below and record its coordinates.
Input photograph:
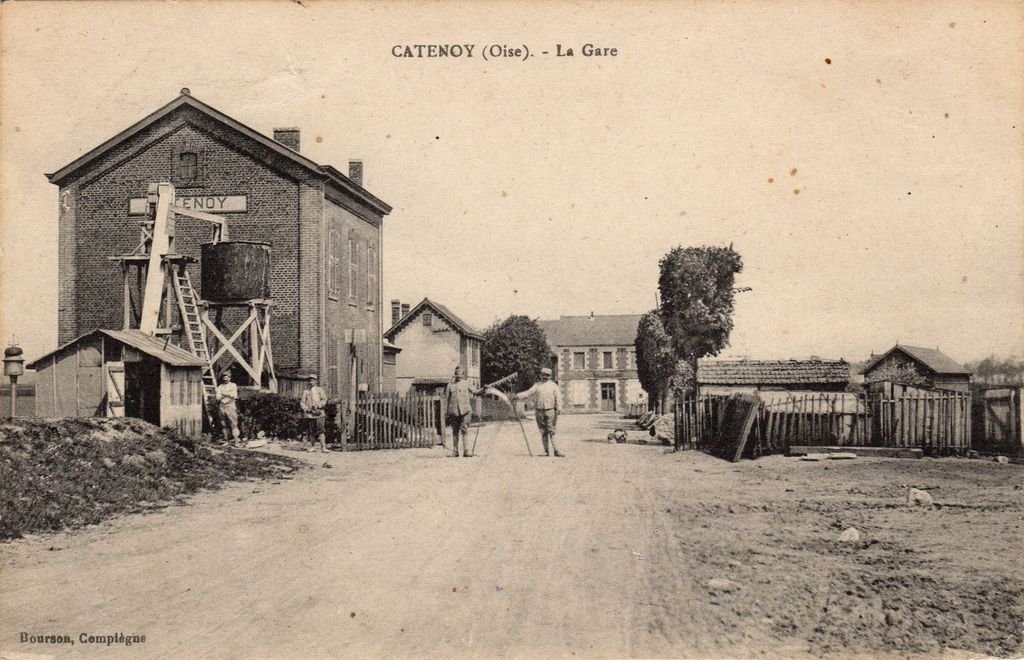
(333, 363)
(188, 166)
(631, 358)
(579, 392)
(579, 360)
(607, 360)
(428, 319)
(371, 277)
(474, 354)
(353, 269)
(334, 263)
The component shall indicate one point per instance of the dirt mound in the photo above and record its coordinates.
(58, 473)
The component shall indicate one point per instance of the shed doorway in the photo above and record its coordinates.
(142, 390)
(608, 397)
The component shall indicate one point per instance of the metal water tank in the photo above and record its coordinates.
(235, 271)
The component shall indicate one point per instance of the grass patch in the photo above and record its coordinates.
(66, 473)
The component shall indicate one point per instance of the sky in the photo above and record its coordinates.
(865, 159)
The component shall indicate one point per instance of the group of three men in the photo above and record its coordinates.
(547, 403)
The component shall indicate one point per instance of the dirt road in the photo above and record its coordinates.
(610, 551)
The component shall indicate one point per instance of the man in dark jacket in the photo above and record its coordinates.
(459, 410)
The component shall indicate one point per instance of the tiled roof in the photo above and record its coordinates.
(187, 100)
(441, 311)
(601, 330)
(158, 348)
(771, 372)
(932, 358)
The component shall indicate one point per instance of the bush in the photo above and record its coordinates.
(275, 415)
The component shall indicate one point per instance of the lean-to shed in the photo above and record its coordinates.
(122, 373)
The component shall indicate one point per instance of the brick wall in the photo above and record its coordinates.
(285, 207)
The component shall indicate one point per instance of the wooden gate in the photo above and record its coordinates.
(393, 421)
(997, 421)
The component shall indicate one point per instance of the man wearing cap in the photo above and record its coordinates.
(227, 395)
(459, 411)
(312, 404)
(547, 402)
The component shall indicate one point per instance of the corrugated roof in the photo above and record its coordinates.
(771, 372)
(932, 358)
(599, 330)
(160, 349)
(441, 311)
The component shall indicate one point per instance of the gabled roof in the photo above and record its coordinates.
(771, 372)
(185, 99)
(601, 330)
(932, 358)
(160, 349)
(442, 311)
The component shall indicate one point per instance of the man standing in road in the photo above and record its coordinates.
(459, 412)
(227, 396)
(312, 404)
(547, 402)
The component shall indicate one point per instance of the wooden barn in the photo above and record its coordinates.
(122, 373)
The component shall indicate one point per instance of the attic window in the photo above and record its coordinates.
(188, 165)
(428, 319)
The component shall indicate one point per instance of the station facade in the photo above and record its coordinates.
(324, 229)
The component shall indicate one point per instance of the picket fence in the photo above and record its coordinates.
(394, 421)
(772, 422)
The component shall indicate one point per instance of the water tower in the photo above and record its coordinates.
(235, 274)
(236, 278)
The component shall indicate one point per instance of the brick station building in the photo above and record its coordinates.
(324, 228)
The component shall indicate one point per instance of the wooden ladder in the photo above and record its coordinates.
(188, 306)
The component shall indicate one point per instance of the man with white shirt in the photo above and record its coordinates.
(227, 396)
(547, 398)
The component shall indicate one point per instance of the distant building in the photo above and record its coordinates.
(433, 341)
(937, 369)
(595, 361)
(716, 376)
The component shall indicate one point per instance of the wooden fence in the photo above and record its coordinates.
(772, 422)
(938, 423)
(393, 421)
(996, 417)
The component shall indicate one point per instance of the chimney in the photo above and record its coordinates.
(396, 310)
(289, 137)
(405, 309)
(355, 171)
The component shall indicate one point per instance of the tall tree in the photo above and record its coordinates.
(697, 300)
(655, 358)
(516, 344)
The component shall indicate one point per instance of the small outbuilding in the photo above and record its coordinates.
(122, 373)
(935, 368)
